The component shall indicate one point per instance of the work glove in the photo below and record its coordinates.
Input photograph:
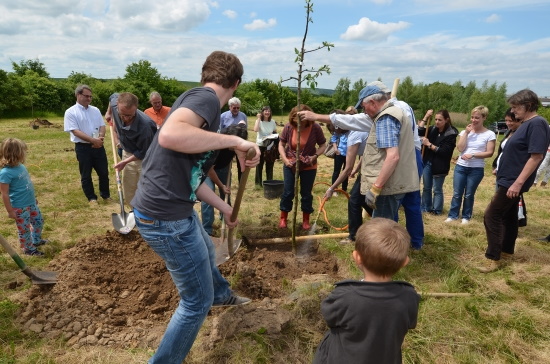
(371, 195)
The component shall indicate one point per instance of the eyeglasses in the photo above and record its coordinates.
(235, 107)
(126, 116)
(87, 96)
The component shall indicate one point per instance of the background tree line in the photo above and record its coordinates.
(29, 90)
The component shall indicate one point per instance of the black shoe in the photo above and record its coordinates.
(42, 242)
(35, 253)
(545, 239)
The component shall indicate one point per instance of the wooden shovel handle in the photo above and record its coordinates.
(242, 185)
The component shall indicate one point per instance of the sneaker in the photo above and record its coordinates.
(34, 253)
(465, 221)
(233, 300)
(93, 203)
(108, 200)
(488, 266)
(346, 241)
(449, 219)
(335, 194)
(42, 242)
(506, 256)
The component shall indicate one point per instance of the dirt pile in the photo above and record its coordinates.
(113, 290)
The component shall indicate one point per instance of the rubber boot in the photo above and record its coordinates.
(305, 221)
(282, 221)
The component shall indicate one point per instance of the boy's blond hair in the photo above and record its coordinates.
(383, 246)
(12, 152)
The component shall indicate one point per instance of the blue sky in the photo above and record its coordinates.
(463, 40)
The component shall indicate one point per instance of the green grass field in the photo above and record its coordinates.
(505, 318)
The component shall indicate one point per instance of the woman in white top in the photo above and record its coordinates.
(475, 143)
(264, 127)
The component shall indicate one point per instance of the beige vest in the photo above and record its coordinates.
(405, 177)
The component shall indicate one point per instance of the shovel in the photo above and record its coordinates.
(123, 222)
(233, 245)
(222, 253)
(36, 277)
(226, 251)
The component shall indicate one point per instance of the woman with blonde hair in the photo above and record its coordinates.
(475, 143)
(312, 145)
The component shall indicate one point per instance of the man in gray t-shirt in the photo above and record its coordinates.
(171, 182)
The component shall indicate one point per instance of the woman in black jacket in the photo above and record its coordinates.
(438, 148)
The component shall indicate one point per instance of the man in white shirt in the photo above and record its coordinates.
(85, 124)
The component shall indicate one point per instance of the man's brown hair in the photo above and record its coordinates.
(222, 68)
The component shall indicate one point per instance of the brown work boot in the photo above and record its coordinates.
(488, 266)
(282, 220)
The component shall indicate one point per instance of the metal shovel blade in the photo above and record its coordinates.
(222, 250)
(36, 277)
(124, 222)
(41, 277)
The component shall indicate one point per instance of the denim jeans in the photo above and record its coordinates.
(387, 206)
(207, 211)
(189, 255)
(307, 178)
(339, 164)
(501, 224)
(465, 182)
(411, 202)
(356, 202)
(413, 218)
(92, 158)
(434, 183)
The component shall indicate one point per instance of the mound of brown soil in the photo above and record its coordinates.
(114, 290)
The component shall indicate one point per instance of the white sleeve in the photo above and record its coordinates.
(357, 122)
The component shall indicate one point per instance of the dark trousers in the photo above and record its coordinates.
(339, 164)
(356, 202)
(501, 224)
(92, 159)
(307, 178)
(260, 167)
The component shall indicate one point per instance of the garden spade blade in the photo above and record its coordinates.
(123, 222)
(36, 277)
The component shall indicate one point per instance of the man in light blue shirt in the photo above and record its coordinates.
(233, 115)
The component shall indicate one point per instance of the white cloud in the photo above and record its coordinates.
(260, 24)
(253, 14)
(230, 14)
(370, 30)
(493, 18)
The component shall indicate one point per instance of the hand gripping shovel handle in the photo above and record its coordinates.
(237, 205)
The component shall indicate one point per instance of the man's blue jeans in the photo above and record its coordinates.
(189, 256)
(413, 213)
(465, 182)
(387, 206)
(434, 183)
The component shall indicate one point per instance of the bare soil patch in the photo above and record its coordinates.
(113, 290)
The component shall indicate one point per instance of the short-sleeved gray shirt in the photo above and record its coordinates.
(169, 179)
